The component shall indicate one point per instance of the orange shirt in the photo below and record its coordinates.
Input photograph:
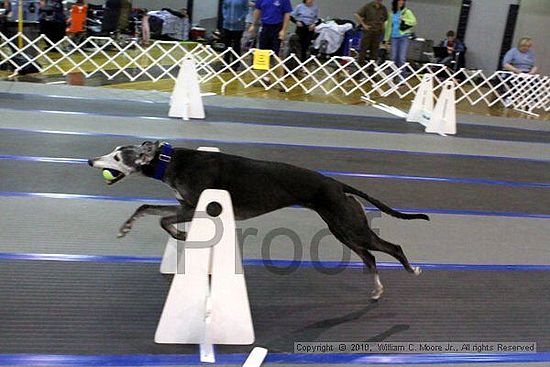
(78, 18)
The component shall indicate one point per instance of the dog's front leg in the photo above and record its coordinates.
(169, 224)
(162, 210)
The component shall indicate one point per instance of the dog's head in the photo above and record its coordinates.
(126, 160)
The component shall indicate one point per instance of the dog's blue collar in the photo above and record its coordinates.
(165, 157)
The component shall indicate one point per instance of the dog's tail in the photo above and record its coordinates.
(383, 207)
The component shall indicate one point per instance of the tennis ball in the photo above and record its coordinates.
(108, 175)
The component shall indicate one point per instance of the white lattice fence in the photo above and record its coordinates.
(333, 76)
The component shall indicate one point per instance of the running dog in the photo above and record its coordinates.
(256, 187)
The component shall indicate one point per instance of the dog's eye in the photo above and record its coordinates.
(117, 158)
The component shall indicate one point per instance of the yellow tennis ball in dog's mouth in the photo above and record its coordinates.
(108, 175)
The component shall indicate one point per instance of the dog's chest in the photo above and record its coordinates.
(182, 197)
(179, 196)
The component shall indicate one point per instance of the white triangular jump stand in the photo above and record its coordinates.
(169, 263)
(186, 99)
(423, 103)
(443, 119)
(203, 310)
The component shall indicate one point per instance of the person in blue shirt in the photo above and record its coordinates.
(306, 17)
(275, 17)
(521, 59)
(234, 15)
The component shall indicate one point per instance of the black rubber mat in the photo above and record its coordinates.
(108, 309)
(37, 144)
(263, 117)
(82, 180)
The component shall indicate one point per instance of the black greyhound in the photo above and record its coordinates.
(256, 187)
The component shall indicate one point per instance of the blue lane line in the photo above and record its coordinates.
(80, 258)
(473, 181)
(473, 213)
(275, 263)
(276, 358)
(140, 138)
(166, 201)
(48, 195)
(20, 158)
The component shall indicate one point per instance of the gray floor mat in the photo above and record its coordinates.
(263, 117)
(106, 308)
(344, 160)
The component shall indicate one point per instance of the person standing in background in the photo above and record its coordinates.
(52, 19)
(275, 17)
(399, 29)
(248, 41)
(306, 16)
(234, 16)
(4, 11)
(371, 17)
(77, 21)
(250, 15)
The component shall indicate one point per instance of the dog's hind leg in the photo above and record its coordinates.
(162, 210)
(370, 261)
(347, 221)
(378, 244)
(396, 251)
(375, 243)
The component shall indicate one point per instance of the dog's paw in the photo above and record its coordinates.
(417, 270)
(376, 293)
(124, 230)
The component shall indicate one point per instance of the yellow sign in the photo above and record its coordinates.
(261, 59)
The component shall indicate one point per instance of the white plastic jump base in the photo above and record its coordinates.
(186, 99)
(443, 121)
(169, 263)
(195, 311)
(423, 103)
(256, 357)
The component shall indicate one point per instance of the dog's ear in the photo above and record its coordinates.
(148, 151)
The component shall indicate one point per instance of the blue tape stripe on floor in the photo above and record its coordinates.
(274, 263)
(79, 258)
(167, 201)
(140, 138)
(475, 212)
(474, 181)
(51, 195)
(276, 358)
(8, 157)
